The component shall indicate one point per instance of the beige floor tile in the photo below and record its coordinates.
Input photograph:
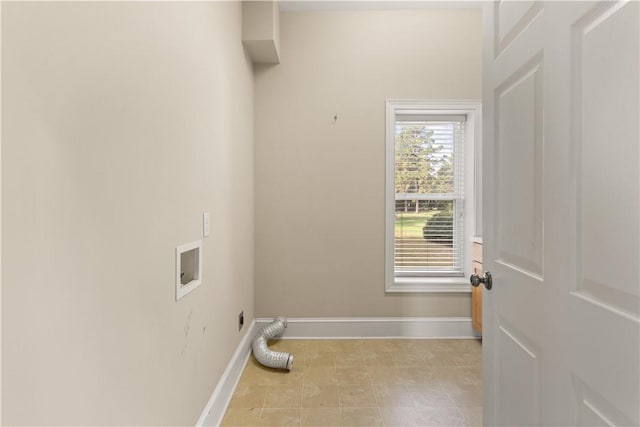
(349, 358)
(440, 358)
(241, 417)
(468, 359)
(465, 395)
(258, 375)
(364, 382)
(384, 374)
(399, 416)
(431, 387)
(320, 375)
(369, 417)
(346, 346)
(466, 346)
(248, 396)
(294, 377)
(410, 358)
(404, 346)
(429, 398)
(377, 358)
(440, 416)
(322, 345)
(284, 396)
(392, 395)
(415, 375)
(377, 345)
(319, 358)
(316, 396)
(457, 374)
(423, 345)
(253, 363)
(471, 375)
(320, 417)
(298, 359)
(472, 415)
(250, 379)
(352, 375)
(441, 345)
(356, 395)
(280, 417)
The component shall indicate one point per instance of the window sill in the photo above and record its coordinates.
(429, 284)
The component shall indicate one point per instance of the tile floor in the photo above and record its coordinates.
(363, 383)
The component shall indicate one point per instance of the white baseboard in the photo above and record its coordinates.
(377, 327)
(221, 396)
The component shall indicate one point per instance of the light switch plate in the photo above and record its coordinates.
(205, 224)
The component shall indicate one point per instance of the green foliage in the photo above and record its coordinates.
(409, 225)
(439, 227)
(420, 166)
(414, 148)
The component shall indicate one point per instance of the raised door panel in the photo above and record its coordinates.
(519, 141)
(515, 327)
(604, 297)
(512, 17)
(518, 380)
(607, 151)
(594, 410)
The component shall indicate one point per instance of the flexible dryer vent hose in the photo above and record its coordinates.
(270, 358)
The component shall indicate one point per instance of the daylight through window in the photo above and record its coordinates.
(429, 205)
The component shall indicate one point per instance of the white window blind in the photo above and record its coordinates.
(429, 194)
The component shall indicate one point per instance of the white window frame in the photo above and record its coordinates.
(472, 148)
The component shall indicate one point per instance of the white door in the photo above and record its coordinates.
(561, 213)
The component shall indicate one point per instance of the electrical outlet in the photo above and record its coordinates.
(241, 320)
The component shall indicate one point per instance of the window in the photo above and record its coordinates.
(430, 194)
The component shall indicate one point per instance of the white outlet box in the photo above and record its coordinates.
(188, 268)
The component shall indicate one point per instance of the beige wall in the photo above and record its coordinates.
(122, 123)
(319, 184)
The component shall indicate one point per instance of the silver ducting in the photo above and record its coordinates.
(267, 357)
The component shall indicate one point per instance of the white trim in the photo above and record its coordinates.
(431, 284)
(473, 145)
(221, 396)
(0, 223)
(376, 327)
